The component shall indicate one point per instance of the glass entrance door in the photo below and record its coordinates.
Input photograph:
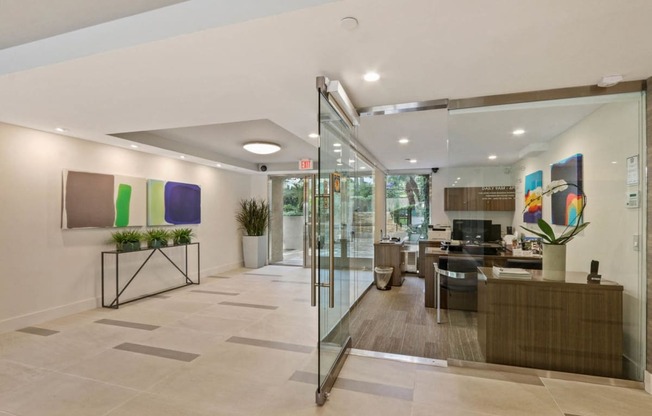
(332, 274)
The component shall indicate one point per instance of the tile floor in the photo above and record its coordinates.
(243, 344)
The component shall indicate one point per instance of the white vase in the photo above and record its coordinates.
(254, 250)
(554, 262)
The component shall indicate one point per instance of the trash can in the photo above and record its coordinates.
(383, 277)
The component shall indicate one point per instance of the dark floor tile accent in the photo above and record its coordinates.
(38, 331)
(304, 377)
(262, 274)
(214, 292)
(219, 277)
(291, 281)
(161, 297)
(377, 389)
(134, 325)
(272, 344)
(157, 352)
(249, 305)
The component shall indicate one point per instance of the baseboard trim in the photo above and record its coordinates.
(32, 318)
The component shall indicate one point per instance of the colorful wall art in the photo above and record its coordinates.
(567, 204)
(172, 203)
(533, 203)
(100, 200)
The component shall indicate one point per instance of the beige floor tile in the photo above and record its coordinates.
(273, 330)
(374, 370)
(183, 339)
(153, 405)
(236, 312)
(213, 324)
(103, 336)
(145, 315)
(419, 409)
(126, 369)
(594, 400)
(174, 305)
(15, 375)
(64, 395)
(477, 394)
(360, 404)
(53, 352)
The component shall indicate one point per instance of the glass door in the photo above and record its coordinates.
(331, 274)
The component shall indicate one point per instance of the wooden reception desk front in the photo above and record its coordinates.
(570, 325)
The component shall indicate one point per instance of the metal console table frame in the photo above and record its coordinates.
(115, 304)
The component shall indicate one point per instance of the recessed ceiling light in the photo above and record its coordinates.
(492, 157)
(613, 162)
(313, 135)
(218, 165)
(337, 144)
(413, 161)
(262, 148)
(351, 160)
(135, 146)
(339, 164)
(337, 150)
(371, 76)
(363, 167)
(60, 129)
(458, 179)
(182, 157)
(518, 132)
(403, 140)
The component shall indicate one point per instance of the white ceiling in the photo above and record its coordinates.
(251, 66)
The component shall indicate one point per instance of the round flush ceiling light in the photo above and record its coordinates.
(371, 76)
(262, 148)
(518, 132)
(403, 140)
(492, 157)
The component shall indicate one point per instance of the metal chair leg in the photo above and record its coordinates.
(438, 289)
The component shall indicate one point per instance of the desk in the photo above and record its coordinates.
(571, 326)
(432, 255)
(389, 255)
(423, 246)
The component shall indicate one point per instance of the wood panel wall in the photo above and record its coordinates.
(493, 198)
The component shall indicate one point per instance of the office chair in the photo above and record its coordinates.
(456, 275)
(533, 264)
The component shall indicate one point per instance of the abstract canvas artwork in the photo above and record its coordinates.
(101, 200)
(173, 203)
(567, 204)
(533, 203)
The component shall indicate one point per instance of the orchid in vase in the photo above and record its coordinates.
(575, 205)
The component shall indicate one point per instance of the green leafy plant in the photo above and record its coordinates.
(576, 225)
(127, 240)
(182, 235)
(253, 216)
(157, 237)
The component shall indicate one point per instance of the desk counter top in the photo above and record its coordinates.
(536, 276)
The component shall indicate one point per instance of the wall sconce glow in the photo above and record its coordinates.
(403, 140)
(492, 157)
(518, 132)
(371, 76)
(60, 129)
(262, 148)
(313, 135)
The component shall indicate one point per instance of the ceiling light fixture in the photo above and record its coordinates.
(60, 129)
(134, 146)
(261, 148)
(403, 140)
(349, 23)
(351, 160)
(518, 132)
(492, 157)
(371, 76)
(218, 165)
(337, 144)
(313, 135)
(182, 157)
(413, 161)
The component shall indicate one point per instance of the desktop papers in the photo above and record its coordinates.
(510, 272)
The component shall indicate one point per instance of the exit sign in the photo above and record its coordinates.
(305, 164)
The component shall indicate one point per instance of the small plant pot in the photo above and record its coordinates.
(128, 246)
(182, 240)
(157, 243)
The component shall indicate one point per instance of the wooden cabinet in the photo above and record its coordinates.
(571, 326)
(389, 255)
(488, 198)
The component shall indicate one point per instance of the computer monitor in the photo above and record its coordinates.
(495, 234)
(471, 230)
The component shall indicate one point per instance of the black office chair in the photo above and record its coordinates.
(533, 264)
(456, 274)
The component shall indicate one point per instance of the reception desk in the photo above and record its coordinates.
(570, 325)
(431, 256)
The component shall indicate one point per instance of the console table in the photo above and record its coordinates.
(570, 325)
(115, 303)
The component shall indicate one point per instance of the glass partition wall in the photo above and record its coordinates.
(596, 143)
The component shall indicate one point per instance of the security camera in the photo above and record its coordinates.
(435, 170)
(262, 168)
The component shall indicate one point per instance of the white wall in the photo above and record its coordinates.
(610, 134)
(47, 272)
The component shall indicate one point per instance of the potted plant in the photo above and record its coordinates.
(182, 236)
(157, 237)
(128, 240)
(253, 217)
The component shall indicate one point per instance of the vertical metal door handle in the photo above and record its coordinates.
(331, 244)
(313, 238)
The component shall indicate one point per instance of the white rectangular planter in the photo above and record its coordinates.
(254, 249)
